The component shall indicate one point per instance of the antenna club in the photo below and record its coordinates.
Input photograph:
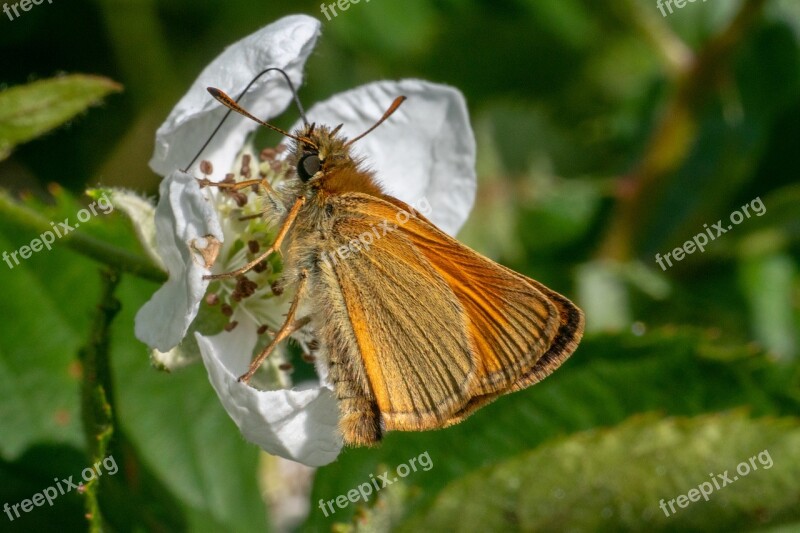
(392, 108)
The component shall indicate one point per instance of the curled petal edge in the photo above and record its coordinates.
(301, 425)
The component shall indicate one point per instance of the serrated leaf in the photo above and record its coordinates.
(28, 111)
(619, 479)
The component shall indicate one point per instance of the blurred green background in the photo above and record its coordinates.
(606, 134)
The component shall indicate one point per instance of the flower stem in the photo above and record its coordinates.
(101, 251)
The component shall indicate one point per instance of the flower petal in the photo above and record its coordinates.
(187, 235)
(285, 44)
(301, 425)
(426, 150)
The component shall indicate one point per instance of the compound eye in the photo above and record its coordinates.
(308, 166)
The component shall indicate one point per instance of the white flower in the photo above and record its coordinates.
(425, 151)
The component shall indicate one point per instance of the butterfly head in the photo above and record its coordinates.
(320, 151)
(324, 163)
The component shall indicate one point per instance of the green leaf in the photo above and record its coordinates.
(30, 110)
(106, 239)
(38, 346)
(607, 380)
(617, 480)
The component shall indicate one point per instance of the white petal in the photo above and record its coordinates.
(187, 235)
(301, 425)
(285, 44)
(426, 150)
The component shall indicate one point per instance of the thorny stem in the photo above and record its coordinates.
(673, 134)
(97, 394)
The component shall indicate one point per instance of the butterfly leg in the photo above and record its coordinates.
(236, 186)
(269, 251)
(290, 325)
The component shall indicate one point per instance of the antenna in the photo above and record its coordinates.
(392, 108)
(228, 102)
(235, 106)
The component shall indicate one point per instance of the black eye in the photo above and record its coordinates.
(308, 166)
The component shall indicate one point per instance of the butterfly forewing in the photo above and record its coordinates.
(406, 329)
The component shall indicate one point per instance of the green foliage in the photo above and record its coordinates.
(617, 478)
(614, 377)
(606, 134)
(167, 478)
(30, 110)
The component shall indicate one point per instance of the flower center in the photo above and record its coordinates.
(246, 234)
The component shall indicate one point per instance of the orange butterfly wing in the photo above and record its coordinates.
(440, 329)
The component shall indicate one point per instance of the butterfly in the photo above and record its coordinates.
(418, 330)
